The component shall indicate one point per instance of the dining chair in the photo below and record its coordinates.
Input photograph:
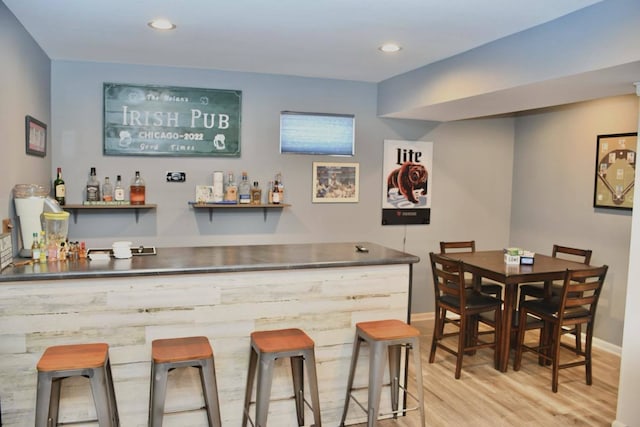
(490, 288)
(537, 290)
(576, 305)
(451, 295)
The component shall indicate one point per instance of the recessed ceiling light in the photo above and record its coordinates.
(161, 24)
(390, 48)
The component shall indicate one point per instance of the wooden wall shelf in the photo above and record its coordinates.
(75, 208)
(213, 206)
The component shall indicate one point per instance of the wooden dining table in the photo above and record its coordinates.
(491, 265)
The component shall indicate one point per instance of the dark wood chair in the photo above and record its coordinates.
(576, 305)
(490, 288)
(451, 295)
(538, 290)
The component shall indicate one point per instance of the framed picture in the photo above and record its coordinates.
(36, 137)
(335, 182)
(615, 171)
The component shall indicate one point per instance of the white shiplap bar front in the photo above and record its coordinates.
(130, 311)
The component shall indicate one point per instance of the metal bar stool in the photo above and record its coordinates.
(64, 361)
(187, 352)
(383, 335)
(266, 347)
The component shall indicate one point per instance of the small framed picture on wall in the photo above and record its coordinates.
(335, 182)
(615, 171)
(36, 137)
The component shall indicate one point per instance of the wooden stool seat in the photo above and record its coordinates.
(385, 337)
(186, 352)
(74, 356)
(64, 361)
(281, 340)
(266, 347)
(382, 330)
(180, 349)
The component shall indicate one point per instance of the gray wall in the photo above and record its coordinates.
(471, 198)
(553, 183)
(25, 89)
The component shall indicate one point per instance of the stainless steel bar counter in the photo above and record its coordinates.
(223, 293)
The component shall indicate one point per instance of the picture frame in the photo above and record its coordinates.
(615, 171)
(36, 137)
(335, 182)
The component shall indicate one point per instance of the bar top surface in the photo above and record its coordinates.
(214, 259)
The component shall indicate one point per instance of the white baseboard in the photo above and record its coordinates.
(597, 343)
(617, 423)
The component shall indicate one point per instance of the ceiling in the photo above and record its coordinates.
(335, 39)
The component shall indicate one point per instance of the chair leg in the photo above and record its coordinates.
(159, 373)
(587, 352)
(415, 345)
(462, 338)
(438, 328)
(43, 399)
(313, 387)
(210, 392)
(521, 330)
(251, 373)
(376, 372)
(263, 393)
(98, 381)
(297, 373)
(352, 372)
(394, 376)
(578, 332)
(113, 405)
(555, 351)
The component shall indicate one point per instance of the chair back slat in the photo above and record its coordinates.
(580, 255)
(461, 246)
(448, 277)
(581, 288)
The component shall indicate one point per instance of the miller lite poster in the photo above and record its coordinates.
(406, 182)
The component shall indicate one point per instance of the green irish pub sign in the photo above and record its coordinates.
(142, 120)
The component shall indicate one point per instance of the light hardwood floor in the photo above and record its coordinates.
(484, 396)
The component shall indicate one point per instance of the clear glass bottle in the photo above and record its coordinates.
(118, 191)
(59, 188)
(93, 187)
(137, 190)
(256, 194)
(107, 190)
(231, 191)
(244, 190)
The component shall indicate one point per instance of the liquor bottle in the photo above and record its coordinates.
(269, 192)
(107, 190)
(137, 190)
(43, 248)
(35, 248)
(275, 193)
(118, 192)
(93, 187)
(256, 194)
(59, 188)
(280, 185)
(231, 192)
(244, 190)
